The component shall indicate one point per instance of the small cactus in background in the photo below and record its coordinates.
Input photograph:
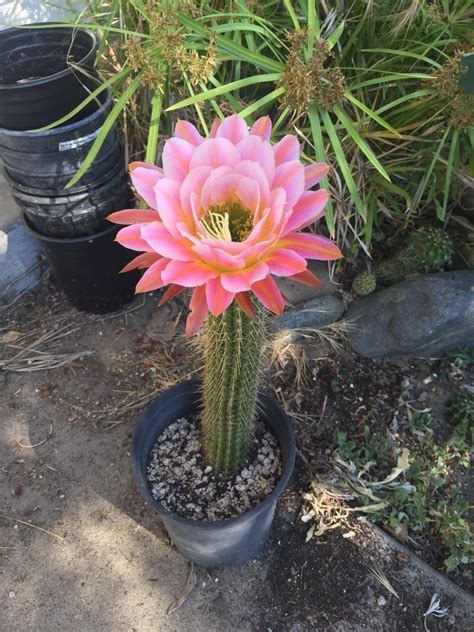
(461, 411)
(424, 251)
(364, 284)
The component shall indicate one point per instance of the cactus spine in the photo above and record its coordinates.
(232, 352)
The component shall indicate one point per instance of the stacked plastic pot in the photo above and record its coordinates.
(44, 74)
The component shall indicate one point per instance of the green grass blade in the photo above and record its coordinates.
(105, 129)
(123, 74)
(342, 162)
(153, 132)
(318, 142)
(268, 98)
(292, 14)
(359, 141)
(402, 53)
(228, 87)
(226, 45)
(449, 173)
(350, 97)
(427, 177)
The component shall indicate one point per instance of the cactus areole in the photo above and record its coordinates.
(226, 214)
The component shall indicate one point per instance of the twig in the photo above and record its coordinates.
(35, 445)
(33, 526)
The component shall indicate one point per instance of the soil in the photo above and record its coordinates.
(185, 484)
(80, 550)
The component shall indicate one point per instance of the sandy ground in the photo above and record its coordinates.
(105, 562)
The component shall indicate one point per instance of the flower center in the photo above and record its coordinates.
(229, 221)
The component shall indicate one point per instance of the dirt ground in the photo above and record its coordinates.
(98, 559)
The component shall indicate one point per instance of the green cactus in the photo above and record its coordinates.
(364, 284)
(232, 351)
(461, 411)
(424, 251)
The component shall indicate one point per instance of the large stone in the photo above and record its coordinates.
(298, 293)
(311, 315)
(426, 316)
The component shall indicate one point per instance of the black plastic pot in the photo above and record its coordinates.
(87, 269)
(224, 542)
(44, 74)
(76, 214)
(48, 160)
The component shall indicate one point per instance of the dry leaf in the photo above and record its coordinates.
(184, 594)
(11, 336)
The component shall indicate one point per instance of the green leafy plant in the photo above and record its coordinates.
(425, 500)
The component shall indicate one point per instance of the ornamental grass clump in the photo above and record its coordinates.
(226, 216)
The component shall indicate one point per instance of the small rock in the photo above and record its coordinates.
(298, 293)
(381, 601)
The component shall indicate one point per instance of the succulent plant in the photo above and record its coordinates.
(424, 251)
(461, 410)
(364, 284)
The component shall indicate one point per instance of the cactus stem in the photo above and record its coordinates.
(232, 351)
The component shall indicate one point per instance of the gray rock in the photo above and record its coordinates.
(298, 293)
(426, 316)
(312, 314)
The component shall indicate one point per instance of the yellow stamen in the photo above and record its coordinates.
(216, 226)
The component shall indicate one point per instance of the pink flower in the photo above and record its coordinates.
(228, 211)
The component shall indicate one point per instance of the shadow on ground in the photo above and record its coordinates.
(114, 568)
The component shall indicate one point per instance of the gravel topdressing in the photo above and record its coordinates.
(182, 481)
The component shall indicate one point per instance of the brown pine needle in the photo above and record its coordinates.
(32, 525)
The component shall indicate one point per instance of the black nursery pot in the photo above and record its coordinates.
(44, 74)
(224, 542)
(87, 269)
(48, 160)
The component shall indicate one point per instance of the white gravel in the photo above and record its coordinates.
(182, 481)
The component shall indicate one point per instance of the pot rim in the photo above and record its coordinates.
(61, 129)
(57, 75)
(287, 471)
(66, 240)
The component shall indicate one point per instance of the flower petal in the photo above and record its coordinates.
(215, 152)
(244, 301)
(142, 261)
(188, 273)
(286, 150)
(284, 262)
(311, 246)
(216, 123)
(177, 154)
(187, 131)
(310, 208)
(169, 205)
(234, 128)
(172, 291)
(308, 278)
(290, 176)
(253, 148)
(314, 173)
(218, 299)
(193, 183)
(242, 280)
(152, 279)
(144, 177)
(217, 258)
(133, 216)
(198, 307)
(160, 239)
(131, 237)
(269, 295)
(262, 127)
